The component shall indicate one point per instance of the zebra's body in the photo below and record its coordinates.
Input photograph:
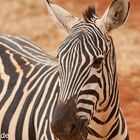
(29, 89)
(71, 97)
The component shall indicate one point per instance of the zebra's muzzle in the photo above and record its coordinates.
(65, 125)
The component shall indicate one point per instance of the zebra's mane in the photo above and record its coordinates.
(90, 13)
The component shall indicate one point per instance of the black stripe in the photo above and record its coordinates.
(122, 123)
(85, 101)
(115, 132)
(1, 84)
(127, 137)
(94, 79)
(94, 133)
(80, 109)
(99, 121)
(90, 92)
(104, 88)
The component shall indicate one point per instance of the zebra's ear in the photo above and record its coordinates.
(115, 15)
(63, 17)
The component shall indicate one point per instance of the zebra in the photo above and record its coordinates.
(71, 97)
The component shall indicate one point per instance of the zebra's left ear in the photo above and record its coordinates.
(115, 15)
(63, 17)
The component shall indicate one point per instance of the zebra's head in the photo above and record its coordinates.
(86, 58)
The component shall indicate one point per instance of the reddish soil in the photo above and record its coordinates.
(33, 23)
(130, 102)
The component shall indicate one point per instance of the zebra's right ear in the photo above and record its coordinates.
(63, 17)
(115, 15)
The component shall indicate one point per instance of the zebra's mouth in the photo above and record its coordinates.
(75, 132)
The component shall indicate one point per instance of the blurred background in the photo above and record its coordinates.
(29, 19)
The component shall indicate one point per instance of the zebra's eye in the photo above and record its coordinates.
(97, 62)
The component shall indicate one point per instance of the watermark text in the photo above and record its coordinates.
(4, 135)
